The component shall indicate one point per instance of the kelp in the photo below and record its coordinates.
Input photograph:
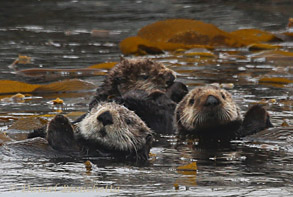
(46, 74)
(4, 138)
(275, 80)
(8, 86)
(17, 98)
(279, 55)
(189, 169)
(105, 65)
(140, 46)
(28, 123)
(174, 34)
(58, 101)
(251, 36)
(262, 47)
(188, 32)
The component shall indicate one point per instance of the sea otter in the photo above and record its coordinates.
(108, 129)
(210, 114)
(134, 74)
(146, 87)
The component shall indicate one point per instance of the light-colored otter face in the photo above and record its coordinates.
(134, 74)
(206, 107)
(115, 127)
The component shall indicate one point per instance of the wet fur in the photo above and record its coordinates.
(255, 120)
(156, 109)
(127, 133)
(128, 136)
(134, 74)
(222, 122)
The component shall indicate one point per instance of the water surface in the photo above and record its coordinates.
(58, 34)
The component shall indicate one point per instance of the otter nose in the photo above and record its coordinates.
(212, 101)
(105, 118)
(170, 78)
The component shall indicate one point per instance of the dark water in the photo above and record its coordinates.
(57, 34)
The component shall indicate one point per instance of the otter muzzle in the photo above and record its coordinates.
(105, 118)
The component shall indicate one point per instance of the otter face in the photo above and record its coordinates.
(144, 74)
(115, 127)
(206, 107)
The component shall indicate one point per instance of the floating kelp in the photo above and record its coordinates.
(275, 80)
(57, 101)
(262, 47)
(174, 34)
(106, 65)
(276, 54)
(17, 98)
(66, 86)
(4, 138)
(278, 57)
(21, 59)
(8, 86)
(45, 75)
(140, 46)
(250, 36)
(189, 169)
(188, 32)
(28, 123)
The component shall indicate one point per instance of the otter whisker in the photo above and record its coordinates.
(205, 108)
(120, 135)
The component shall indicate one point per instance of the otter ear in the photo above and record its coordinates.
(255, 120)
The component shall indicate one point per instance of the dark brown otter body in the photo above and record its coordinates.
(156, 109)
(134, 74)
(210, 114)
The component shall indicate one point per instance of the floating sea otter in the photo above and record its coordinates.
(146, 87)
(136, 74)
(108, 129)
(210, 114)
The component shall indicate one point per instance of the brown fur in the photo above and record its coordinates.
(134, 74)
(194, 116)
(120, 133)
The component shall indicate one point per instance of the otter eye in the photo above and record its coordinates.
(223, 96)
(191, 101)
(128, 121)
(144, 77)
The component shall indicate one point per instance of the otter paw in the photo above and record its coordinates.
(60, 133)
(255, 120)
(177, 91)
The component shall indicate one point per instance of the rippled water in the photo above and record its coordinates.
(59, 34)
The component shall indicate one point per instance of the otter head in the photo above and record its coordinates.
(135, 74)
(116, 128)
(205, 108)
